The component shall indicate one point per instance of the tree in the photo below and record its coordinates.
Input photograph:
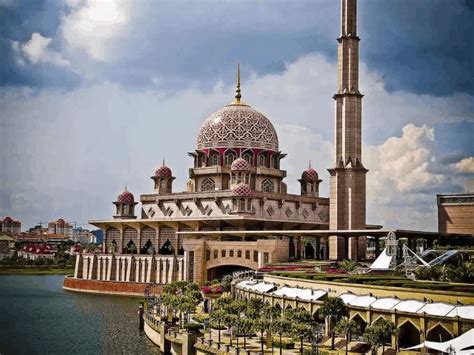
(218, 317)
(377, 333)
(280, 326)
(300, 324)
(333, 310)
(226, 283)
(244, 327)
(347, 327)
(182, 297)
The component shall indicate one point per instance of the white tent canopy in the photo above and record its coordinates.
(382, 262)
(460, 345)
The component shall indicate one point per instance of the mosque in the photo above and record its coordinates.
(236, 212)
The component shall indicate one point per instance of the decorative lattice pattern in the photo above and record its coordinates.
(125, 197)
(305, 213)
(237, 126)
(242, 190)
(240, 164)
(310, 175)
(163, 171)
(288, 212)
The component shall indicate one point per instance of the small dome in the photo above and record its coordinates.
(240, 164)
(242, 189)
(125, 197)
(163, 171)
(310, 175)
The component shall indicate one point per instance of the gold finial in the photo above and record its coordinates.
(237, 90)
(163, 162)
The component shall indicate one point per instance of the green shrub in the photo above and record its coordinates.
(193, 327)
(200, 317)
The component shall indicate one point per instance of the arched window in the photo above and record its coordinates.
(229, 158)
(262, 160)
(248, 156)
(267, 186)
(208, 185)
(163, 184)
(214, 159)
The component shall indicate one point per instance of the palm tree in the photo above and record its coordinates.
(377, 333)
(333, 310)
(347, 327)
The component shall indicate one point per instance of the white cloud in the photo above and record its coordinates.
(88, 142)
(93, 25)
(466, 165)
(38, 50)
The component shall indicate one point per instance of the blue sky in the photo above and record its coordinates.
(94, 94)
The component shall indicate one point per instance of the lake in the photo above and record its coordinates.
(38, 317)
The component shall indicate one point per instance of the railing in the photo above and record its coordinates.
(239, 275)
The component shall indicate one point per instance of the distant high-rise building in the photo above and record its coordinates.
(9, 225)
(83, 236)
(61, 227)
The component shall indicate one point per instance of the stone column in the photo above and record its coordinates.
(78, 267)
(377, 246)
(120, 244)
(158, 271)
(164, 273)
(99, 268)
(139, 240)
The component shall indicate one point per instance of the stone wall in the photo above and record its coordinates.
(106, 287)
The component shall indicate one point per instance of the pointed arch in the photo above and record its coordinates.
(229, 157)
(268, 186)
(208, 184)
(439, 333)
(409, 335)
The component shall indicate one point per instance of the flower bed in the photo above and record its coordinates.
(212, 291)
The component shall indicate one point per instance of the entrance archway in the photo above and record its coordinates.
(148, 247)
(309, 251)
(409, 335)
(219, 272)
(131, 247)
(361, 323)
(439, 334)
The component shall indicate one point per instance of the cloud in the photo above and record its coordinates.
(466, 165)
(38, 50)
(76, 149)
(92, 26)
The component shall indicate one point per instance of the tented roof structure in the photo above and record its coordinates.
(463, 344)
(382, 262)
(302, 293)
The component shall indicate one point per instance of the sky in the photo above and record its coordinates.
(94, 94)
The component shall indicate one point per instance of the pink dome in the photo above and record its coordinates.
(242, 190)
(126, 197)
(163, 171)
(240, 164)
(310, 175)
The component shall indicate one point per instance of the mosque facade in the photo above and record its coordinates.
(236, 190)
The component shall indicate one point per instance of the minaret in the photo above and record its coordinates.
(347, 182)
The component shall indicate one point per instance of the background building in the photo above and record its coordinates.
(7, 246)
(83, 236)
(456, 213)
(9, 225)
(61, 227)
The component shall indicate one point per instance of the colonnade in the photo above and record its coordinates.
(130, 268)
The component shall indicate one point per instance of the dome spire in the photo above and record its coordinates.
(237, 90)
